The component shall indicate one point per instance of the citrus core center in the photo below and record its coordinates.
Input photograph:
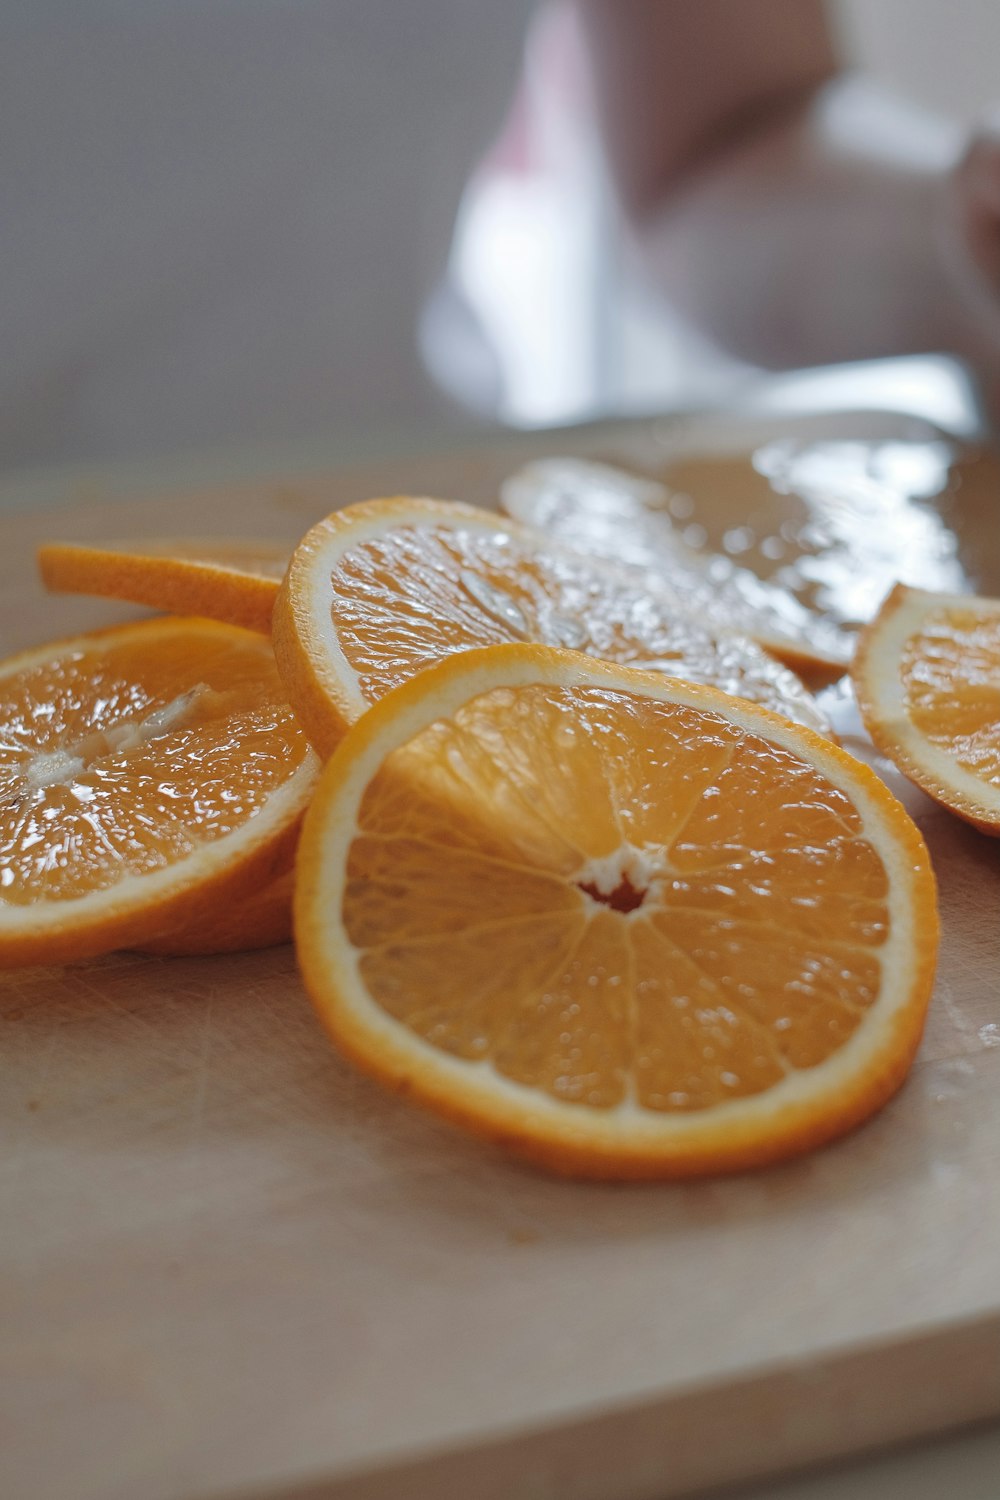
(623, 898)
(52, 767)
(623, 879)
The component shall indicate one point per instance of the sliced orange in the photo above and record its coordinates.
(383, 589)
(622, 925)
(605, 512)
(233, 581)
(149, 775)
(927, 678)
(835, 521)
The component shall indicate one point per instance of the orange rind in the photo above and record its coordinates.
(229, 580)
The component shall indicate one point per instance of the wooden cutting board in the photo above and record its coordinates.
(231, 1267)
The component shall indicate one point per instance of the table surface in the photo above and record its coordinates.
(965, 1466)
(181, 1173)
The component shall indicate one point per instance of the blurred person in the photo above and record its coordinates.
(794, 212)
(221, 218)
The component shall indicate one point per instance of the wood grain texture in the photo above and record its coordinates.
(230, 1266)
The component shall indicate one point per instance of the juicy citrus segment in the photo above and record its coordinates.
(386, 588)
(146, 773)
(625, 925)
(927, 677)
(606, 513)
(233, 581)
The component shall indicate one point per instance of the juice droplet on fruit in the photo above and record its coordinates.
(496, 602)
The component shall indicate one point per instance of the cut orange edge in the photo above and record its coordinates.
(880, 693)
(261, 919)
(195, 580)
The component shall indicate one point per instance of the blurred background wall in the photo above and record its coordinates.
(944, 53)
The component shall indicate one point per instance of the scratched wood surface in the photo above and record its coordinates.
(231, 1267)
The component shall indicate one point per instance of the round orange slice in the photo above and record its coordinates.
(623, 925)
(608, 513)
(232, 581)
(927, 678)
(149, 776)
(383, 589)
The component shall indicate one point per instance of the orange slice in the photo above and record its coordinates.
(836, 522)
(623, 925)
(149, 775)
(927, 678)
(233, 581)
(381, 590)
(607, 513)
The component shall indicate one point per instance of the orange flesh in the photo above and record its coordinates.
(600, 944)
(950, 670)
(405, 599)
(121, 758)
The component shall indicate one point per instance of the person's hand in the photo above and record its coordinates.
(973, 194)
(976, 198)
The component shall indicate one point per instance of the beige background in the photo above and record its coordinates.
(945, 53)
